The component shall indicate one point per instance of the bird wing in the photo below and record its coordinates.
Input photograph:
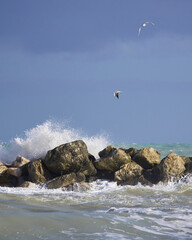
(150, 23)
(139, 31)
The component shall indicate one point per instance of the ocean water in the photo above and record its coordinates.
(100, 210)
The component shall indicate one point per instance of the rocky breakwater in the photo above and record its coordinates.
(71, 163)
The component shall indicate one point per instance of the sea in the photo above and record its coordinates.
(101, 210)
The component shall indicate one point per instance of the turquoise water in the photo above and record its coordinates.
(182, 149)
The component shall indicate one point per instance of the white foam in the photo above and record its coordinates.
(38, 140)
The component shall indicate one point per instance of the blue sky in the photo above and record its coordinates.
(62, 60)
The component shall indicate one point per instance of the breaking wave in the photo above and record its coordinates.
(38, 140)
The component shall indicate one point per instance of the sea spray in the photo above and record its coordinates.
(38, 140)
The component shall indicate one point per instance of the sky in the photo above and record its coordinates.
(62, 60)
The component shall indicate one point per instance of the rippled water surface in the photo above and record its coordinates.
(104, 211)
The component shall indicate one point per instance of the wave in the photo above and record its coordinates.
(38, 140)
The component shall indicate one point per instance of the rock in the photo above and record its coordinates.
(152, 175)
(79, 187)
(14, 172)
(129, 174)
(188, 167)
(7, 180)
(186, 159)
(91, 157)
(27, 184)
(144, 181)
(131, 151)
(68, 158)
(188, 164)
(105, 175)
(65, 180)
(107, 151)
(147, 158)
(19, 162)
(38, 172)
(113, 161)
(3, 168)
(171, 166)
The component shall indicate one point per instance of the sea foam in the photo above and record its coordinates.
(38, 140)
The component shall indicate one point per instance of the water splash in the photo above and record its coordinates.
(38, 140)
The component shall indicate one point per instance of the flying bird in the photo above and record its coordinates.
(144, 25)
(116, 94)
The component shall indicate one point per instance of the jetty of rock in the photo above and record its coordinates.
(71, 163)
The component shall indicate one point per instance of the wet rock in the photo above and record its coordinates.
(129, 174)
(70, 157)
(112, 160)
(171, 166)
(147, 158)
(65, 180)
(38, 173)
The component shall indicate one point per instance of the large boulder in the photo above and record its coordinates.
(129, 174)
(65, 180)
(171, 167)
(112, 160)
(68, 158)
(147, 158)
(38, 173)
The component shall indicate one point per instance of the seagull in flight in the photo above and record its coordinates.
(144, 25)
(116, 94)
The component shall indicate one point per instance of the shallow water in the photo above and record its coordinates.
(105, 211)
